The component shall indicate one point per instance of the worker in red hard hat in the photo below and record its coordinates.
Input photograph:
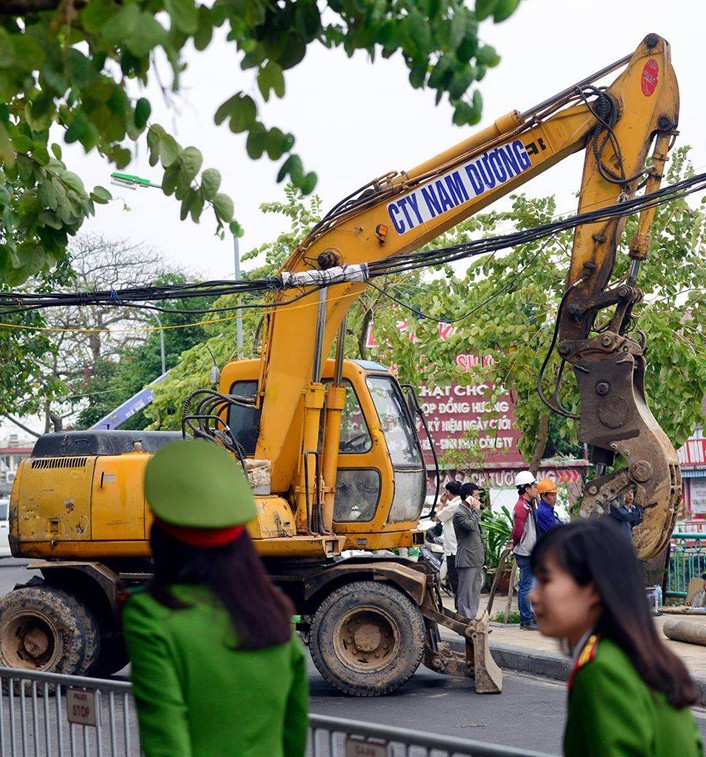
(546, 517)
(522, 540)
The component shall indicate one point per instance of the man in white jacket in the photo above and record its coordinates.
(522, 540)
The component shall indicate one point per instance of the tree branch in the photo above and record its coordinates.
(23, 7)
(21, 425)
(540, 443)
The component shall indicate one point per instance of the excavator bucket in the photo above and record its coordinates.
(615, 419)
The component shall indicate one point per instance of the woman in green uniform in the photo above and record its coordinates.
(216, 668)
(628, 693)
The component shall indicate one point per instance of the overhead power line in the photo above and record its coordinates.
(148, 297)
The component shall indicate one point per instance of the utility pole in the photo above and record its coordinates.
(239, 316)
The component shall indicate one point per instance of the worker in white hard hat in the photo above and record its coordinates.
(522, 540)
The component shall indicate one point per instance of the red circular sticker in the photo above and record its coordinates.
(650, 77)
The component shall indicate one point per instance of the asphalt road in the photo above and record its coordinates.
(528, 714)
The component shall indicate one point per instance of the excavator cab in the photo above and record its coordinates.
(380, 475)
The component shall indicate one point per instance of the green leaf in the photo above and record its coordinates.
(223, 206)
(80, 130)
(308, 184)
(487, 56)
(292, 167)
(169, 150)
(148, 34)
(307, 20)
(28, 53)
(191, 162)
(210, 183)
(95, 15)
(240, 110)
(196, 207)
(119, 28)
(7, 52)
(204, 33)
(418, 73)
(143, 109)
(293, 52)
(80, 68)
(256, 141)
(184, 15)
(271, 78)
(170, 179)
(101, 195)
(73, 182)
(504, 9)
(419, 32)
(484, 8)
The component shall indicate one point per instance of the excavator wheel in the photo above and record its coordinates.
(43, 628)
(112, 658)
(367, 638)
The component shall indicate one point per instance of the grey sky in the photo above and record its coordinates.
(355, 120)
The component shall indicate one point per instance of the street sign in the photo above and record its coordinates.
(357, 748)
(81, 707)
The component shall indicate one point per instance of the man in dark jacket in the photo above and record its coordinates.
(625, 513)
(470, 554)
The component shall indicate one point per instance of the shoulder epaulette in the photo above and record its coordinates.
(125, 594)
(585, 656)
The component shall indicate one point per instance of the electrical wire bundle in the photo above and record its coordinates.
(145, 297)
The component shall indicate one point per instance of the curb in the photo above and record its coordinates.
(527, 660)
(545, 664)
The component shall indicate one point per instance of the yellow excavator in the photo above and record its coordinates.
(330, 444)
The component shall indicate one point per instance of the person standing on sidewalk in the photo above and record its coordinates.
(625, 513)
(451, 501)
(470, 555)
(628, 693)
(522, 541)
(546, 517)
(216, 666)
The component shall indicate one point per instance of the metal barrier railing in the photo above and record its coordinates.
(687, 560)
(334, 737)
(50, 714)
(46, 714)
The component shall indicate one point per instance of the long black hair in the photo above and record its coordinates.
(593, 551)
(234, 572)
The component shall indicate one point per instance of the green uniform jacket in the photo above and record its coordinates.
(197, 696)
(612, 711)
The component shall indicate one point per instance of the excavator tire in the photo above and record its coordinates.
(43, 628)
(367, 638)
(112, 658)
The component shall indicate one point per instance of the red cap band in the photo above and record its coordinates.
(202, 537)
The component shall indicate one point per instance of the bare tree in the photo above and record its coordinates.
(86, 336)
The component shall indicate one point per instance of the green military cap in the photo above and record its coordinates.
(197, 484)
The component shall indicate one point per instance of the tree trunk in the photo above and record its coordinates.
(363, 336)
(540, 443)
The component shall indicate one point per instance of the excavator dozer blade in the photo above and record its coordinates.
(476, 663)
(486, 672)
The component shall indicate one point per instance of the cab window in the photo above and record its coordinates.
(244, 422)
(355, 436)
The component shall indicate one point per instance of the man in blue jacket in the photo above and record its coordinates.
(546, 517)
